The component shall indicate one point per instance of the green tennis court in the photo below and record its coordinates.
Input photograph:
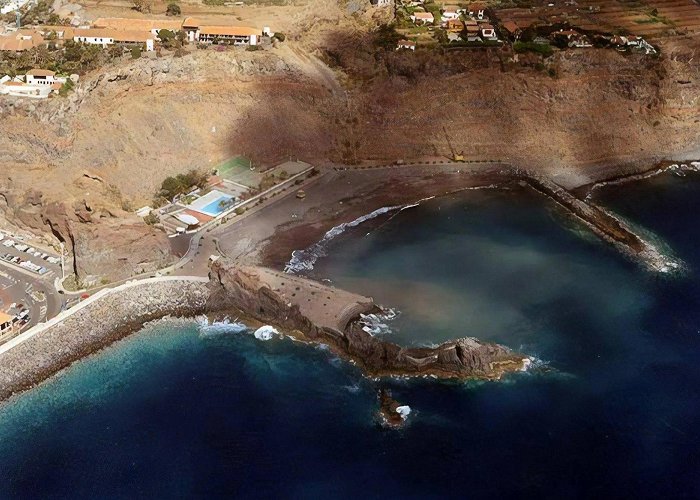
(237, 169)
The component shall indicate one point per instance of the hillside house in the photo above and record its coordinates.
(56, 34)
(511, 29)
(8, 325)
(232, 35)
(477, 10)
(451, 12)
(406, 45)
(106, 37)
(422, 18)
(488, 32)
(472, 30)
(124, 24)
(191, 27)
(454, 26)
(21, 40)
(41, 77)
(18, 88)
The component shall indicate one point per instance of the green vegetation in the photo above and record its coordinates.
(66, 88)
(41, 14)
(280, 36)
(73, 58)
(537, 48)
(172, 39)
(151, 219)
(181, 183)
(387, 37)
(214, 2)
(173, 9)
(135, 52)
(144, 6)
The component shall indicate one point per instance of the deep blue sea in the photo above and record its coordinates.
(177, 411)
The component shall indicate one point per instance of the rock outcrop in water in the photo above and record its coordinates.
(301, 306)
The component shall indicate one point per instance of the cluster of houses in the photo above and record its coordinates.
(36, 83)
(105, 32)
(131, 32)
(470, 23)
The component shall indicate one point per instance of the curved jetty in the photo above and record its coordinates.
(314, 312)
(604, 224)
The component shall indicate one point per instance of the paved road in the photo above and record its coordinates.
(36, 294)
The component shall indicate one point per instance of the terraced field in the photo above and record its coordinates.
(648, 18)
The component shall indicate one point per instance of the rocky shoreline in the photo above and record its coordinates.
(258, 292)
(94, 327)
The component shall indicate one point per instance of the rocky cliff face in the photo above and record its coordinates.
(234, 288)
(135, 123)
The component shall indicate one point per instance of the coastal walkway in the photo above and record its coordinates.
(102, 295)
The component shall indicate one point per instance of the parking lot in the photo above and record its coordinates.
(27, 274)
(29, 258)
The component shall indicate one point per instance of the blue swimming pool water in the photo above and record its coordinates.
(213, 208)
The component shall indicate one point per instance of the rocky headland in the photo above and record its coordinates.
(300, 307)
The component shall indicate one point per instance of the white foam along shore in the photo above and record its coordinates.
(304, 260)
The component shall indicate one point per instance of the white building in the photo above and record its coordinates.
(106, 37)
(422, 18)
(42, 77)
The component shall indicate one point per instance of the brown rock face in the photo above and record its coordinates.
(104, 243)
(246, 290)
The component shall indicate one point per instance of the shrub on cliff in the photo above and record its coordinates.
(173, 9)
(181, 183)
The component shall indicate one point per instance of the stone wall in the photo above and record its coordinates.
(92, 326)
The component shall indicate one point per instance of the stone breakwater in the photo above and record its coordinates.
(313, 312)
(605, 225)
(112, 316)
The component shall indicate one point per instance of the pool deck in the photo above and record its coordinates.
(202, 204)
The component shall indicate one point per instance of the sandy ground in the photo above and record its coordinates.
(269, 236)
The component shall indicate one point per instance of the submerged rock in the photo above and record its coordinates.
(391, 412)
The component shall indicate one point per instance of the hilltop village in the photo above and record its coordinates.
(118, 35)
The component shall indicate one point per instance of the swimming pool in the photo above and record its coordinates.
(212, 203)
(217, 206)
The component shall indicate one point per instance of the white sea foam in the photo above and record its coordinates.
(266, 332)
(304, 260)
(376, 324)
(404, 411)
(226, 326)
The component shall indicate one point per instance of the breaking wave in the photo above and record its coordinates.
(304, 260)
(377, 324)
(225, 326)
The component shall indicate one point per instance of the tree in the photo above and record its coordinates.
(136, 52)
(141, 5)
(386, 37)
(173, 9)
(167, 38)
